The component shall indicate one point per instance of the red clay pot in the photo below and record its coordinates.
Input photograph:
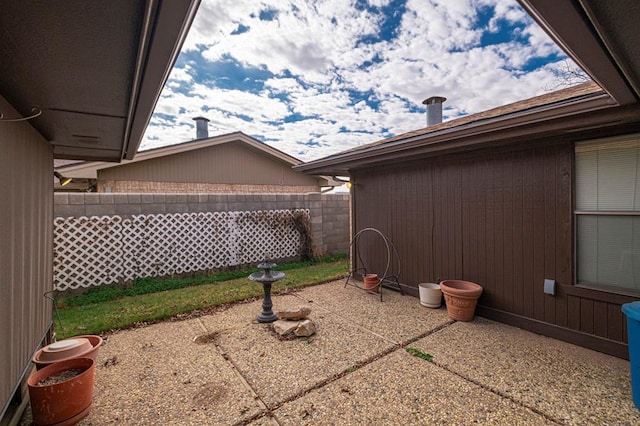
(63, 403)
(371, 283)
(461, 298)
(86, 346)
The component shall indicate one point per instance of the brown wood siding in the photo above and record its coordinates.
(229, 163)
(26, 247)
(500, 218)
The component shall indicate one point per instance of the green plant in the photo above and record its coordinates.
(417, 352)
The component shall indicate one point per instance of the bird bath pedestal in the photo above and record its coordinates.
(267, 277)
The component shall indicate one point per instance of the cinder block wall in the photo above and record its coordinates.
(329, 212)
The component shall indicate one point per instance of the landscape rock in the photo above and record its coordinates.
(285, 328)
(305, 328)
(294, 314)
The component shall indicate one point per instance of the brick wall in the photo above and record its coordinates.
(329, 212)
(125, 186)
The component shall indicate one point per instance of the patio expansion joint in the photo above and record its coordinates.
(495, 391)
(499, 393)
(265, 411)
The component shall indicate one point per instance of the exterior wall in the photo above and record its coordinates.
(503, 219)
(127, 186)
(229, 163)
(329, 212)
(26, 238)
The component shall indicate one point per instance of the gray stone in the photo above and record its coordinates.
(285, 328)
(294, 314)
(305, 328)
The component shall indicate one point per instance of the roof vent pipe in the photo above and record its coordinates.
(434, 109)
(202, 127)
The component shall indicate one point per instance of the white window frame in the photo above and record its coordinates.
(602, 198)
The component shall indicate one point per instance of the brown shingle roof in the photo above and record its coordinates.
(573, 92)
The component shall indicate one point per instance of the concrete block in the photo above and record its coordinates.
(76, 198)
(66, 210)
(91, 198)
(120, 198)
(60, 198)
(218, 207)
(177, 198)
(134, 198)
(151, 208)
(146, 198)
(127, 209)
(105, 198)
(192, 198)
(177, 208)
(203, 198)
(100, 210)
(197, 207)
(159, 199)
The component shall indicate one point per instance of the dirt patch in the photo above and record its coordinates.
(209, 394)
(206, 338)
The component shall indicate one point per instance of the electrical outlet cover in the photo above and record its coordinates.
(550, 287)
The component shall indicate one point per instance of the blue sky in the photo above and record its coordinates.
(313, 78)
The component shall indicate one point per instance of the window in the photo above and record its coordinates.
(607, 214)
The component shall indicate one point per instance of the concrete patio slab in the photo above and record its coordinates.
(238, 372)
(403, 389)
(399, 318)
(159, 375)
(279, 370)
(567, 383)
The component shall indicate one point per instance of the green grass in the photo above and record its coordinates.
(417, 352)
(154, 285)
(113, 310)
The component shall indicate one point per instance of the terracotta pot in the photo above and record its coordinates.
(371, 283)
(63, 403)
(430, 295)
(86, 346)
(461, 298)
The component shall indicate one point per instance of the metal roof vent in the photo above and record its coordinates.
(202, 127)
(434, 109)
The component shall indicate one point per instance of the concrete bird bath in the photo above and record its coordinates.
(267, 277)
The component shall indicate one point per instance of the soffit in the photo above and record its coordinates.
(600, 35)
(94, 68)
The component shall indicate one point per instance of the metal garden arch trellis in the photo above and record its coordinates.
(391, 273)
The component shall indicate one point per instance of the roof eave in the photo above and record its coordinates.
(466, 136)
(159, 49)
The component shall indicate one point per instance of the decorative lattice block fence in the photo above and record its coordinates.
(103, 250)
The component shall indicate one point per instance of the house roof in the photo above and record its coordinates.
(599, 35)
(89, 169)
(94, 69)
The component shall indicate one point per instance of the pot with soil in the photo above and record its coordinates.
(371, 283)
(430, 295)
(461, 298)
(62, 393)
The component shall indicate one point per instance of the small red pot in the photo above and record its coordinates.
(371, 283)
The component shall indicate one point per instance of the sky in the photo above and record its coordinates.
(313, 78)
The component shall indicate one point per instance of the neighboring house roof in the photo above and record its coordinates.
(94, 69)
(89, 169)
(601, 36)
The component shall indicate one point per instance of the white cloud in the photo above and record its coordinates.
(319, 65)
